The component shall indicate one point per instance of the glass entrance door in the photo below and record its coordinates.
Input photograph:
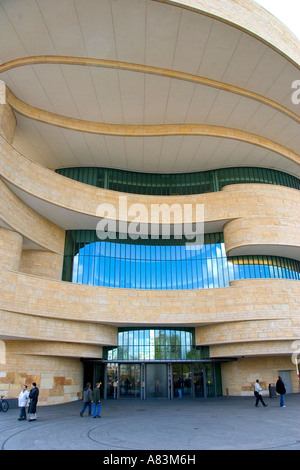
(130, 380)
(162, 380)
(112, 380)
(182, 379)
(199, 380)
(156, 381)
(210, 380)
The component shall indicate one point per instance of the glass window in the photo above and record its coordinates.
(164, 264)
(156, 344)
(188, 183)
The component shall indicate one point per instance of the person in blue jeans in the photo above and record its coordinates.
(96, 401)
(22, 402)
(87, 399)
(280, 389)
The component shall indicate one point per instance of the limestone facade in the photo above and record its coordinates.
(47, 326)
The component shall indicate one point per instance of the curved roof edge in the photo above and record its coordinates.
(250, 17)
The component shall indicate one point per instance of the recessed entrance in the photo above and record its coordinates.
(161, 380)
(157, 363)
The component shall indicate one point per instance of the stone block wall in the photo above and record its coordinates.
(48, 326)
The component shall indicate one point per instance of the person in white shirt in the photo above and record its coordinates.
(22, 402)
(257, 390)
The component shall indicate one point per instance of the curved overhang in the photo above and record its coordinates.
(38, 182)
(53, 203)
(150, 130)
(249, 16)
(18, 105)
(199, 85)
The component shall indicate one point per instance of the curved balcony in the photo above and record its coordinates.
(76, 205)
(243, 300)
(247, 311)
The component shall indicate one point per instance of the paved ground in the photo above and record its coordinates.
(162, 425)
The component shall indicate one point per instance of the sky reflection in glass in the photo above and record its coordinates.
(125, 265)
(157, 344)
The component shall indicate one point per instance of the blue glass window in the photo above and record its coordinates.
(164, 264)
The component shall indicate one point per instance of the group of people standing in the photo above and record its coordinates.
(91, 398)
(26, 397)
(31, 397)
(280, 389)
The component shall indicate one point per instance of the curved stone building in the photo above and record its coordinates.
(150, 198)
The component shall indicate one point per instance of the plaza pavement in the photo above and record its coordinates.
(232, 423)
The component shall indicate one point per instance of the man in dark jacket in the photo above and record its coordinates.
(280, 389)
(96, 401)
(87, 399)
(33, 397)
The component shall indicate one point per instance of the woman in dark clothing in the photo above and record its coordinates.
(33, 397)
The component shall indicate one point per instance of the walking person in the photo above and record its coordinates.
(257, 393)
(280, 389)
(22, 402)
(87, 399)
(96, 401)
(33, 397)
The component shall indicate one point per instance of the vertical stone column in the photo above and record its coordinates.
(10, 249)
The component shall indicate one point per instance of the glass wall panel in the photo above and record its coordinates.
(162, 344)
(210, 380)
(112, 380)
(199, 375)
(164, 264)
(177, 184)
(156, 381)
(182, 380)
(161, 380)
(130, 380)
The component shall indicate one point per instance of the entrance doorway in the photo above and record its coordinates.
(130, 380)
(197, 380)
(286, 378)
(156, 381)
(169, 380)
(182, 380)
(112, 380)
(199, 374)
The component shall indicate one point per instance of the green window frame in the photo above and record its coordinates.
(176, 184)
